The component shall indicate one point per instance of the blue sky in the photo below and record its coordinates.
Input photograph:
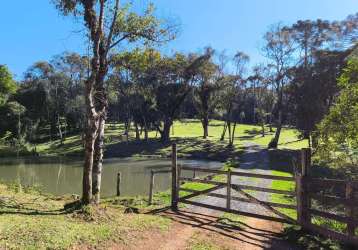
(33, 30)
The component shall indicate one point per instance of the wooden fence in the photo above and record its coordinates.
(151, 183)
(305, 192)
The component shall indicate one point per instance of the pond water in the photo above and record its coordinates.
(60, 176)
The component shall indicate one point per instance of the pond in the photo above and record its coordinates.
(60, 176)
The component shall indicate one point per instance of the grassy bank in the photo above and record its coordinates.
(186, 133)
(30, 220)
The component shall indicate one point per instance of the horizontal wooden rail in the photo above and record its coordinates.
(207, 177)
(205, 170)
(333, 199)
(258, 216)
(340, 192)
(266, 190)
(236, 173)
(201, 181)
(259, 202)
(161, 171)
(197, 179)
(331, 216)
(196, 192)
(329, 182)
(273, 204)
(332, 234)
(263, 176)
(245, 187)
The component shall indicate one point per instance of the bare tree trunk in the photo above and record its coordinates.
(48, 118)
(224, 132)
(65, 130)
(145, 130)
(205, 124)
(59, 129)
(98, 161)
(146, 133)
(263, 128)
(90, 137)
(165, 133)
(232, 136)
(270, 122)
(274, 142)
(137, 135)
(229, 129)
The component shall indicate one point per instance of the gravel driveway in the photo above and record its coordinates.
(254, 160)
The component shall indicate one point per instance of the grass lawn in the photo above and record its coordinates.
(186, 133)
(29, 220)
(281, 198)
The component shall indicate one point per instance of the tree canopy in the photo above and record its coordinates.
(7, 84)
(338, 131)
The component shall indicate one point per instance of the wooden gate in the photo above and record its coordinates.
(304, 193)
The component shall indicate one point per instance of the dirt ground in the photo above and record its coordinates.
(200, 230)
(197, 228)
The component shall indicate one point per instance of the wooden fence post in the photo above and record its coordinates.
(151, 186)
(228, 190)
(349, 209)
(175, 178)
(303, 200)
(119, 184)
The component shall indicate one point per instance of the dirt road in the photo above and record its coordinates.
(206, 229)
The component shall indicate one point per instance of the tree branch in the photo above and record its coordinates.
(109, 41)
(119, 40)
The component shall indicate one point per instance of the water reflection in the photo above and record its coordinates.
(64, 175)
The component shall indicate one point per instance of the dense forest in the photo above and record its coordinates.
(307, 81)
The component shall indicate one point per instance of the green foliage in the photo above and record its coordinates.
(312, 86)
(307, 240)
(7, 84)
(134, 27)
(67, 7)
(338, 132)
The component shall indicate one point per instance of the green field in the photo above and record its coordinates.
(186, 133)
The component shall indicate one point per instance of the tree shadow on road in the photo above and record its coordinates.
(228, 230)
(283, 160)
